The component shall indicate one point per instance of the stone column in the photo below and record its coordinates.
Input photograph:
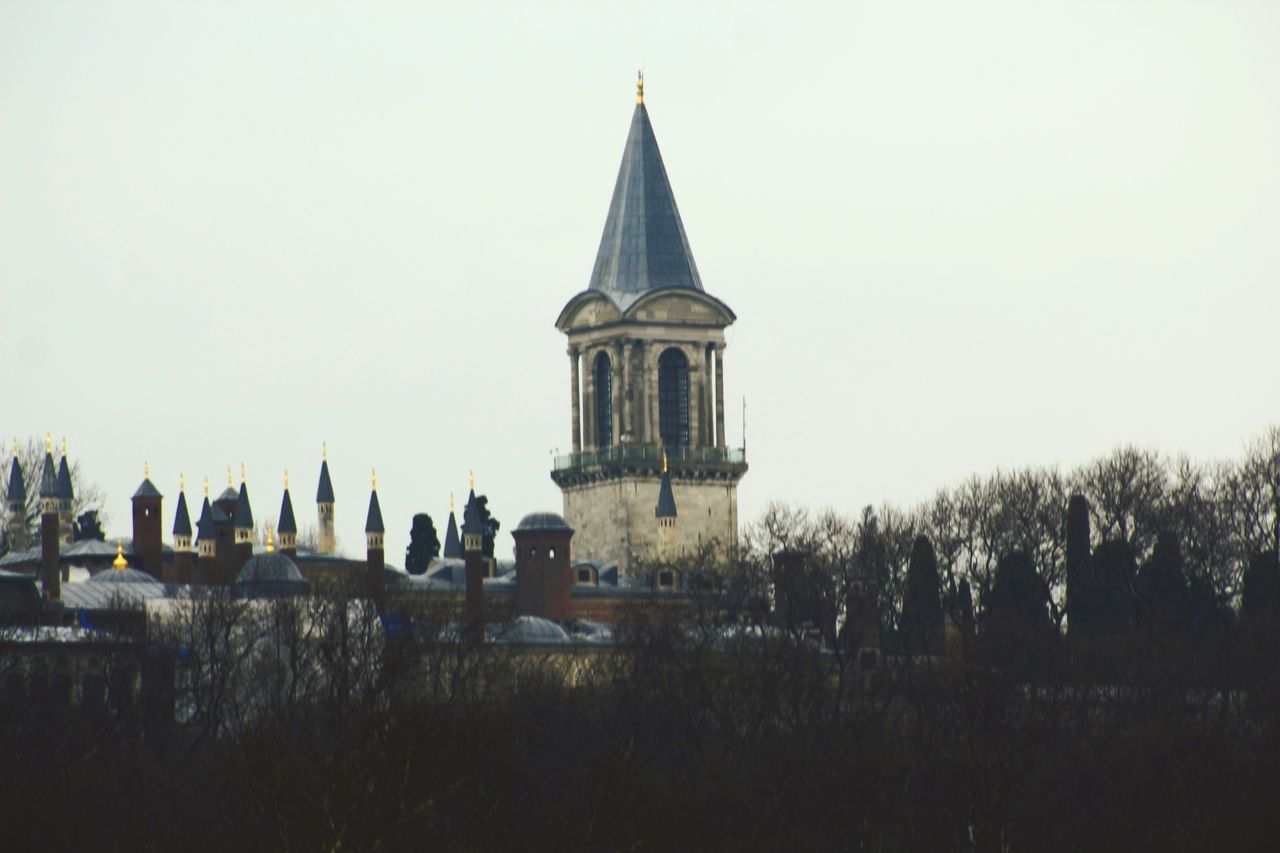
(627, 427)
(720, 395)
(617, 378)
(696, 418)
(589, 401)
(576, 405)
(651, 392)
(709, 406)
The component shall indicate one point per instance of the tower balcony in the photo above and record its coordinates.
(709, 463)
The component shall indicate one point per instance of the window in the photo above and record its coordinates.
(673, 398)
(604, 400)
(666, 579)
(584, 576)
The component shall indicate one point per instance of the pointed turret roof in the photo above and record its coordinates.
(147, 490)
(65, 491)
(287, 522)
(644, 246)
(452, 543)
(17, 485)
(324, 492)
(666, 507)
(204, 527)
(182, 518)
(243, 518)
(49, 477)
(471, 519)
(373, 523)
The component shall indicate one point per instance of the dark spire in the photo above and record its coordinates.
(452, 544)
(243, 518)
(666, 507)
(182, 518)
(65, 491)
(287, 523)
(204, 527)
(49, 476)
(644, 246)
(472, 520)
(17, 485)
(373, 523)
(324, 493)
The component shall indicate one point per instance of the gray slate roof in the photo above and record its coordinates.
(287, 523)
(204, 527)
(373, 522)
(666, 507)
(452, 544)
(147, 490)
(182, 518)
(644, 246)
(65, 491)
(49, 478)
(244, 513)
(324, 492)
(17, 485)
(543, 521)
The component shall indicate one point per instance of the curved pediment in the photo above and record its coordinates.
(588, 309)
(680, 305)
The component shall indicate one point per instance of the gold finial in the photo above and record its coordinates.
(15, 448)
(64, 445)
(271, 540)
(639, 87)
(324, 451)
(229, 484)
(206, 488)
(451, 503)
(286, 479)
(241, 472)
(48, 442)
(473, 481)
(119, 562)
(374, 477)
(182, 482)
(664, 461)
(146, 470)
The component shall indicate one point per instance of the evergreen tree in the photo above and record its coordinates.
(88, 527)
(491, 524)
(922, 623)
(424, 545)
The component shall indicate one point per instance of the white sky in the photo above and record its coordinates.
(957, 235)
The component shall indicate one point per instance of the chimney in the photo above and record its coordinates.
(542, 566)
(148, 546)
(50, 572)
(473, 554)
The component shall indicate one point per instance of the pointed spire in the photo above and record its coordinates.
(119, 563)
(49, 476)
(287, 522)
(643, 246)
(243, 518)
(373, 522)
(17, 493)
(204, 527)
(182, 518)
(666, 507)
(324, 492)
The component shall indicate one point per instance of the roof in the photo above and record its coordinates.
(49, 478)
(244, 513)
(472, 522)
(324, 492)
(666, 507)
(116, 576)
(65, 492)
(217, 515)
(205, 525)
(228, 494)
(182, 518)
(147, 490)
(271, 567)
(373, 523)
(287, 523)
(543, 521)
(17, 485)
(643, 247)
(452, 544)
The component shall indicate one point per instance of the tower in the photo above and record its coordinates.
(324, 506)
(206, 571)
(665, 514)
(374, 530)
(452, 544)
(646, 371)
(473, 553)
(148, 547)
(242, 524)
(66, 495)
(224, 543)
(50, 572)
(288, 527)
(183, 559)
(542, 566)
(16, 503)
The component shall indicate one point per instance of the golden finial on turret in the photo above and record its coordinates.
(324, 451)
(229, 483)
(48, 442)
(473, 481)
(182, 482)
(451, 503)
(119, 562)
(374, 477)
(286, 479)
(15, 448)
(241, 472)
(206, 488)
(664, 461)
(64, 445)
(146, 470)
(639, 87)
(271, 540)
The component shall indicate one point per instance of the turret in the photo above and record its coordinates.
(374, 530)
(148, 545)
(206, 543)
(16, 503)
(183, 558)
(221, 513)
(50, 574)
(452, 544)
(542, 566)
(665, 513)
(66, 496)
(473, 553)
(242, 523)
(324, 506)
(288, 527)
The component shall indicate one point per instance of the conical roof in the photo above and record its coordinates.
(287, 522)
(452, 544)
(49, 478)
(147, 489)
(666, 507)
(65, 491)
(373, 523)
(243, 518)
(17, 485)
(182, 518)
(204, 527)
(644, 246)
(324, 492)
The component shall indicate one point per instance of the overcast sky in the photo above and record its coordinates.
(957, 235)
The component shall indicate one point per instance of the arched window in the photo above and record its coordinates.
(673, 398)
(604, 400)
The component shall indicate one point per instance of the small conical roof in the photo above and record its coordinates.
(452, 544)
(666, 507)
(644, 246)
(182, 518)
(243, 518)
(65, 491)
(287, 522)
(49, 477)
(324, 492)
(147, 490)
(204, 527)
(17, 485)
(373, 523)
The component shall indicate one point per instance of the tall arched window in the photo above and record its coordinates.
(604, 400)
(673, 398)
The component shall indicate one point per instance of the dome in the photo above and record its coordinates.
(529, 629)
(122, 576)
(543, 521)
(272, 567)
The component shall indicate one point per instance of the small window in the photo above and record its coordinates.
(551, 553)
(666, 578)
(584, 576)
